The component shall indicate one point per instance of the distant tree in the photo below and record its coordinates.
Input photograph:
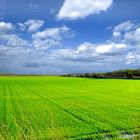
(130, 75)
(126, 73)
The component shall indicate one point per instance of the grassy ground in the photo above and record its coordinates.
(68, 108)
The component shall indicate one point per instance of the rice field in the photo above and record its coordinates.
(60, 108)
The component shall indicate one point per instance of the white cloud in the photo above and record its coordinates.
(86, 47)
(4, 27)
(74, 9)
(125, 26)
(133, 36)
(127, 32)
(125, 39)
(133, 58)
(40, 40)
(111, 48)
(130, 35)
(22, 27)
(34, 24)
(137, 34)
(13, 40)
(18, 53)
(116, 34)
(50, 37)
(96, 53)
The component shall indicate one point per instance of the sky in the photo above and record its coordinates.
(68, 36)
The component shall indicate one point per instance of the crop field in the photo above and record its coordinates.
(59, 108)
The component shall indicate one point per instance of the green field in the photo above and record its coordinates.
(59, 108)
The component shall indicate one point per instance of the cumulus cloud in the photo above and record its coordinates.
(39, 39)
(133, 36)
(133, 58)
(116, 34)
(89, 52)
(34, 24)
(21, 55)
(126, 26)
(127, 32)
(74, 9)
(116, 50)
(22, 27)
(13, 40)
(4, 26)
(50, 37)
(32, 55)
(84, 52)
(112, 49)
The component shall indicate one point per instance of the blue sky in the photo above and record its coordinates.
(69, 36)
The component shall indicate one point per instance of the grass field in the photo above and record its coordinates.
(59, 108)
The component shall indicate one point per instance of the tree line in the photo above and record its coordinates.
(120, 74)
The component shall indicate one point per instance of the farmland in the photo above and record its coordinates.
(60, 108)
